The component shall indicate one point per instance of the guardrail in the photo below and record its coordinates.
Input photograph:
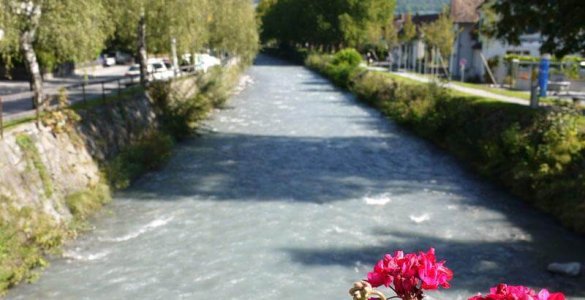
(82, 93)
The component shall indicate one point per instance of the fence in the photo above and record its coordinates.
(79, 93)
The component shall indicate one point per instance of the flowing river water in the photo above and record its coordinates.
(294, 192)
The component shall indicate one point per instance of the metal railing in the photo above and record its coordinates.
(81, 93)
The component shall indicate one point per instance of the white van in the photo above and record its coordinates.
(205, 61)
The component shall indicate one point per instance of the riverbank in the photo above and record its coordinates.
(538, 155)
(54, 176)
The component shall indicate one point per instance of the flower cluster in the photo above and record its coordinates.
(409, 274)
(509, 292)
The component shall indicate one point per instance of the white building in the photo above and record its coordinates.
(470, 46)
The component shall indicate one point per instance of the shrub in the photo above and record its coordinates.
(348, 56)
(538, 155)
(150, 153)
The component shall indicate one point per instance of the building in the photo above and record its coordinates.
(470, 46)
(471, 52)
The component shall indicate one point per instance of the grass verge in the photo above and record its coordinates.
(537, 154)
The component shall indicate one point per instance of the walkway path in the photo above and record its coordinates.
(293, 192)
(456, 87)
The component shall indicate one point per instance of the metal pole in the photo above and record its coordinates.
(38, 112)
(103, 92)
(533, 88)
(175, 57)
(83, 91)
(1, 119)
(119, 87)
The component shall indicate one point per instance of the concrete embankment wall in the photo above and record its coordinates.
(50, 177)
(41, 166)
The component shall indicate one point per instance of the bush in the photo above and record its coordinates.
(149, 154)
(341, 67)
(538, 155)
(349, 56)
(179, 114)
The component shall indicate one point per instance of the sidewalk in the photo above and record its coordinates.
(467, 90)
(456, 87)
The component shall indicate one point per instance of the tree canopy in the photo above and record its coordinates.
(66, 30)
(560, 23)
(224, 25)
(440, 33)
(335, 23)
(50, 32)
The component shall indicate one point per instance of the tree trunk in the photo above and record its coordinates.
(399, 57)
(142, 54)
(27, 39)
(175, 57)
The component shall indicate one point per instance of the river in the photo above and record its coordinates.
(294, 191)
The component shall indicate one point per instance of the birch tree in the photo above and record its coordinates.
(44, 33)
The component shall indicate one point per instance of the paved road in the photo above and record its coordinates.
(16, 95)
(293, 192)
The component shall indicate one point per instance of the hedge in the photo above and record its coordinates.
(537, 154)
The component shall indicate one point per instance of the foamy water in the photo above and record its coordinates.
(294, 192)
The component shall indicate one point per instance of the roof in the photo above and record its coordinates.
(465, 11)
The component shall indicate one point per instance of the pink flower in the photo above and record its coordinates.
(509, 292)
(546, 295)
(408, 274)
(431, 273)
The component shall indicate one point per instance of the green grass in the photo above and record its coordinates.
(83, 204)
(494, 90)
(14, 123)
(89, 104)
(521, 95)
(537, 154)
(455, 93)
(400, 79)
(33, 160)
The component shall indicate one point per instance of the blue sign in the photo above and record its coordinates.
(543, 75)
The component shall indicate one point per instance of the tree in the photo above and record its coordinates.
(233, 28)
(560, 23)
(330, 23)
(225, 25)
(407, 34)
(144, 26)
(45, 33)
(440, 35)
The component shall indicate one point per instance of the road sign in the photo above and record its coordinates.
(463, 62)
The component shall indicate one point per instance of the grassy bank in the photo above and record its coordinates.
(538, 155)
(27, 235)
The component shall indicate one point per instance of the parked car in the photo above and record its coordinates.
(134, 70)
(156, 70)
(123, 58)
(109, 61)
(160, 70)
(204, 62)
(175, 71)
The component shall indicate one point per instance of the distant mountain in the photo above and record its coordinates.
(420, 6)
